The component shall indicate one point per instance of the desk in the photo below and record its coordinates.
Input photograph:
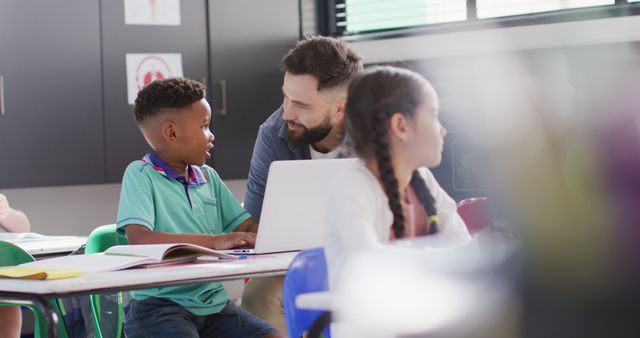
(38, 292)
(41, 246)
(322, 300)
(52, 245)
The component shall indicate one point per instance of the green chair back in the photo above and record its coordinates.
(100, 239)
(11, 254)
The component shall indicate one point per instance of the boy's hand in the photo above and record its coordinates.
(4, 207)
(235, 240)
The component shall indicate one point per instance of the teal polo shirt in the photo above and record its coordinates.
(155, 196)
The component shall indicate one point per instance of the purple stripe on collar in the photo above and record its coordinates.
(196, 176)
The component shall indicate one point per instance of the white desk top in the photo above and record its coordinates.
(200, 271)
(51, 245)
(38, 244)
(322, 300)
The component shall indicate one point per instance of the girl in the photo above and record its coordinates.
(392, 122)
(12, 220)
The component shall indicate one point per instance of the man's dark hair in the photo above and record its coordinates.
(168, 94)
(331, 61)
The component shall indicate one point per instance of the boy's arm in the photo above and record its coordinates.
(140, 234)
(249, 225)
(12, 220)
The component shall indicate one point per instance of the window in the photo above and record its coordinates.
(308, 17)
(500, 8)
(358, 16)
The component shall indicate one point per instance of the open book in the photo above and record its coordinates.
(126, 256)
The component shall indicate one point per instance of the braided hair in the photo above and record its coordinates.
(373, 98)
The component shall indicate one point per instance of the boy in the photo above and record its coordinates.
(172, 196)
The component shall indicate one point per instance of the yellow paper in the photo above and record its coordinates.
(35, 273)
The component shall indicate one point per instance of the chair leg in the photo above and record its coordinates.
(120, 315)
(60, 311)
(95, 309)
(40, 328)
(315, 330)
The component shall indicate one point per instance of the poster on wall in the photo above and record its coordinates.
(142, 69)
(152, 12)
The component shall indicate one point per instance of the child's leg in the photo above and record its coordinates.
(263, 298)
(11, 320)
(157, 317)
(236, 322)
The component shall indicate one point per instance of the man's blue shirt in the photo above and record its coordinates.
(271, 145)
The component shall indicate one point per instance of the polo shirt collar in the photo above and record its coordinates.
(196, 176)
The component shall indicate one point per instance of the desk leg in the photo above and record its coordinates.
(43, 305)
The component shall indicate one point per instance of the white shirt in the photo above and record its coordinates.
(316, 155)
(359, 218)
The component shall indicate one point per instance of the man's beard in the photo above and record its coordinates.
(309, 135)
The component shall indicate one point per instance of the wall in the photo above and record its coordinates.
(76, 210)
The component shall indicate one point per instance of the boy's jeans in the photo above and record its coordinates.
(158, 317)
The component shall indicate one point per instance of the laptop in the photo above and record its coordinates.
(294, 205)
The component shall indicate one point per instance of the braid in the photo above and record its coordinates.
(387, 174)
(428, 202)
(373, 97)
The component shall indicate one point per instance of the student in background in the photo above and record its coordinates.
(171, 196)
(308, 125)
(11, 220)
(391, 118)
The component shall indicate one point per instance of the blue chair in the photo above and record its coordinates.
(307, 273)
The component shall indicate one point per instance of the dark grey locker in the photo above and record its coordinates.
(51, 126)
(247, 40)
(124, 143)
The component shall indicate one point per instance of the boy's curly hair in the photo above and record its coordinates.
(168, 94)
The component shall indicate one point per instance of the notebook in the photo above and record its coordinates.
(294, 205)
(126, 256)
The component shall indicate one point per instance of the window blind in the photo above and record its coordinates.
(501, 8)
(358, 16)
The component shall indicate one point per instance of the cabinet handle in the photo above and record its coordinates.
(2, 110)
(223, 97)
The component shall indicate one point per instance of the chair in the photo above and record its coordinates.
(307, 273)
(11, 254)
(476, 213)
(100, 239)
